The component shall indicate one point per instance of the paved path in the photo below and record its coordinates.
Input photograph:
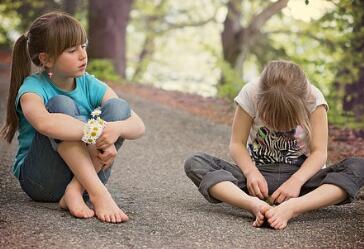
(164, 207)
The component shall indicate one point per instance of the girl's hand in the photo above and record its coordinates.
(93, 154)
(107, 156)
(257, 185)
(289, 189)
(109, 136)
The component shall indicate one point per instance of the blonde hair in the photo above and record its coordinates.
(284, 97)
(51, 33)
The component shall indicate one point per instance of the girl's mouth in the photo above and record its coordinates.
(83, 66)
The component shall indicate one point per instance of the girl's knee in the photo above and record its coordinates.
(115, 109)
(193, 163)
(62, 104)
(355, 164)
(355, 167)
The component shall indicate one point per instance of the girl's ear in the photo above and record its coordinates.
(45, 60)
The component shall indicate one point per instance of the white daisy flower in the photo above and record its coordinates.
(96, 112)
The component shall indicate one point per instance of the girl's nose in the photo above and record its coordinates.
(83, 54)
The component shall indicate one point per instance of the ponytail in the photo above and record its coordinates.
(20, 69)
(50, 33)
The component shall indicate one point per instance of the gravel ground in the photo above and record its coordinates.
(165, 208)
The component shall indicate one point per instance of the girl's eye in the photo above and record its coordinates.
(71, 50)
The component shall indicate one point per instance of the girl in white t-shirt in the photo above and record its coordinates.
(279, 144)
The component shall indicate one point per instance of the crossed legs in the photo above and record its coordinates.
(220, 181)
(77, 157)
(278, 216)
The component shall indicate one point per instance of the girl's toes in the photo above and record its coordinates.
(124, 217)
(112, 219)
(118, 218)
(90, 214)
(108, 218)
(283, 226)
(275, 224)
(268, 214)
(102, 218)
(272, 220)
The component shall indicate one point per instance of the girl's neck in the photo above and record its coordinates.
(64, 83)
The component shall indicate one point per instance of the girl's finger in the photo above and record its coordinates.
(264, 189)
(251, 191)
(281, 198)
(100, 141)
(257, 191)
(275, 195)
(108, 157)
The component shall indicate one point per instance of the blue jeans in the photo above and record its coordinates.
(44, 175)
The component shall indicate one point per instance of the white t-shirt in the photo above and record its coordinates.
(266, 146)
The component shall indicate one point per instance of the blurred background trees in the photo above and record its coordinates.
(212, 47)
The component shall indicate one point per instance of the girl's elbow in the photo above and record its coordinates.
(324, 156)
(231, 150)
(42, 127)
(321, 155)
(141, 129)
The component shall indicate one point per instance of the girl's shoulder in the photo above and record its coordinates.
(247, 97)
(89, 78)
(316, 98)
(250, 89)
(35, 79)
(36, 82)
(88, 81)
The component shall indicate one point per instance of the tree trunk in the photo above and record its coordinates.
(145, 56)
(230, 35)
(108, 21)
(70, 6)
(354, 91)
(354, 97)
(236, 39)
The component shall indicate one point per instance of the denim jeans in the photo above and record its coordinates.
(44, 175)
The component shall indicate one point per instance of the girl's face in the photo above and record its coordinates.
(71, 63)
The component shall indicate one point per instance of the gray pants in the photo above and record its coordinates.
(44, 175)
(205, 171)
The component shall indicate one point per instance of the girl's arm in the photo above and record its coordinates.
(313, 163)
(242, 123)
(318, 146)
(50, 124)
(131, 128)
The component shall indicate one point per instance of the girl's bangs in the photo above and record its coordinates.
(65, 33)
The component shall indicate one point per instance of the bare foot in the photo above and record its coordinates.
(259, 209)
(279, 216)
(73, 201)
(107, 210)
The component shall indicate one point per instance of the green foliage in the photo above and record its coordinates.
(348, 18)
(337, 115)
(232, 82)
(17, 15)
(103, 69)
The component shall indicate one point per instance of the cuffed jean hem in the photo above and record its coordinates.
(344, 182)
(212, 178)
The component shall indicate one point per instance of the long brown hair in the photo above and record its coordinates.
(51, 33)
(284, 97)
